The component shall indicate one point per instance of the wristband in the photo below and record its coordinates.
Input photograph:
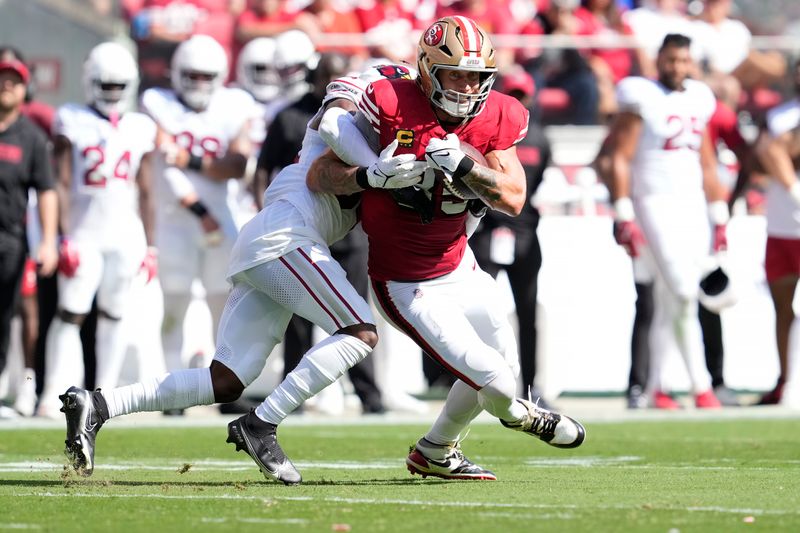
(362, 179)
(195, 162)
(198, 209)
(464, 166)
(624, 209)
(718, 213)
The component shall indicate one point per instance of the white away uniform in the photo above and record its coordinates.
(783, 213)
(104, 220)
(107, 232)
(670, 205)
(183, 253)
(281, 265)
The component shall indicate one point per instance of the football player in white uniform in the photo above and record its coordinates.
(779, 152)
(103, 152)
(280, 266)
(204, 132)
(662, 163)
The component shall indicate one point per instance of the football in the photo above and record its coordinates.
(457, 187)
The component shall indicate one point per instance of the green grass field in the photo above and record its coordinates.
(688, 475)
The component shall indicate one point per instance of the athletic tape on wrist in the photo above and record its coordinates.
(362, 179)
(198, 209)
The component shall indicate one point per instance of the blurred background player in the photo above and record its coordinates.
(204, 134)
(24, 165)
(103, 161)
(661, 162)
(509, 243)
(779, 152)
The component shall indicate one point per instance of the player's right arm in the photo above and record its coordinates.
(623, 140)
(776, 154)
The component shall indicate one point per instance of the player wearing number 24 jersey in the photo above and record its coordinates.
(103, 160)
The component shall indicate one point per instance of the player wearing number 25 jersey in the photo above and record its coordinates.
(664, 171)
(103, 168)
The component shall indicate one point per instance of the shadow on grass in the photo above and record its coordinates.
(235, 485)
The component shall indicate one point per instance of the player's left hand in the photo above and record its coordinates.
(150, 263)
(446, 155)
(720, 238)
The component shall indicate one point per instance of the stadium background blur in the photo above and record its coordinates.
(586, 297)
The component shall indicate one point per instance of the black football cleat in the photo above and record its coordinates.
(260, 440)
(86, 412)
(455, 465)
(556, 430)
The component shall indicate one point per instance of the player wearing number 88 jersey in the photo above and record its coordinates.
(204, 136)
(103, 160)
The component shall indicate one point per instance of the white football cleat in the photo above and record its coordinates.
(556, 430)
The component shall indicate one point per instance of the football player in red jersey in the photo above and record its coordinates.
(424, 277)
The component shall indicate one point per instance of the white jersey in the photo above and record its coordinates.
(105, 161)
(275, 231)
(667, 159)
(783, 214)
(207, 132)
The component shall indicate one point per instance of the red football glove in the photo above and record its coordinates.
(629, 236)
(68, 258)
(150, 263)
(720, 238)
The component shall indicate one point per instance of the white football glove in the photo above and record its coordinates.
(446, 155)
(394, 171)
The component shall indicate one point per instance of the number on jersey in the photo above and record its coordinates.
(209, 145)
(96, 172)
(684, 132)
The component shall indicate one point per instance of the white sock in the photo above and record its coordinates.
(460, 408)
(110, 352)
(322, 365)
(690, 342)
(176, 390)
(63, 362)
(498, 397)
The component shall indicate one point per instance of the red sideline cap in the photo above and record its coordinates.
(18, 67)
(518, 80)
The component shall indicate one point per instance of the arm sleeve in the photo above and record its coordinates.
(783, 119)
(339, 131)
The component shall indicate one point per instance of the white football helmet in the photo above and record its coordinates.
(256, 72)
(295, 55)
(716, 291)
(199, 68)
(456, 43)
(110, 77)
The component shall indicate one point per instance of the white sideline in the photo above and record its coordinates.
(426, 503)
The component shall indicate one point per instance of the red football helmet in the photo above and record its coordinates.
(456, 43)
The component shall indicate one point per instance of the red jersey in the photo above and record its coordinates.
(401, 247)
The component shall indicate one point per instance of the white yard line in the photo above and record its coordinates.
(421, 503)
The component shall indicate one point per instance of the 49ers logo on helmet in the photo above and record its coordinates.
(434, 34)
